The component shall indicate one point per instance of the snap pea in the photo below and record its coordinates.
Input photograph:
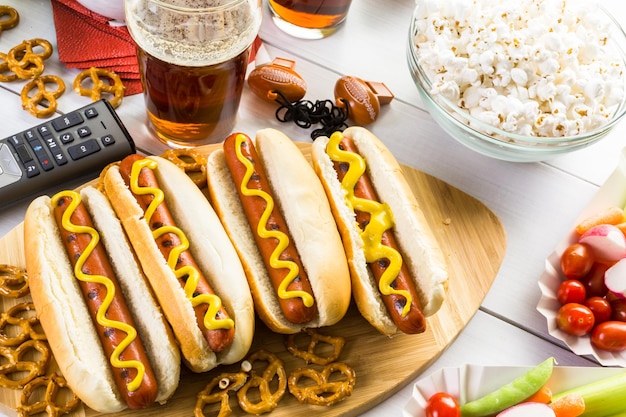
(510, 394)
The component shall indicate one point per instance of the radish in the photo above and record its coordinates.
(528, 410)
(606, 241)
(615, 279)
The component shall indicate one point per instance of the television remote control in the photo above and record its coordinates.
(69, 147)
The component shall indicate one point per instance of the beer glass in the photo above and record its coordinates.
(309, 19)
(193, 56)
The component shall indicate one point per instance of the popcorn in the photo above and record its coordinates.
(530, 67)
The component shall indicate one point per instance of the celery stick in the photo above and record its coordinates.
(603, 398)
(510, 394)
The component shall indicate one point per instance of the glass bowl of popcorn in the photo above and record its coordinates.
(519, 80)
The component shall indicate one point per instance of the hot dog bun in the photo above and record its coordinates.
(212, 251)
(64, 316)
(300, 197)
(418, 245)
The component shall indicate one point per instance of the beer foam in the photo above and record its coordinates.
(193, 39)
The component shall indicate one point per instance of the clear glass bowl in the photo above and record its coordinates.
(497, 143)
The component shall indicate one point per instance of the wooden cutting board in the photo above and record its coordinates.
(473, 241)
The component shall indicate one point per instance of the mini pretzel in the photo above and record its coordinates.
(114, 86)
(225, 383)
(13, 363)
(26, 63)
(6, 75)
(13, 281)
(53, 385)
(12, 21)
(318, 394)
(190, 161)
(309, 355)
(42, 96)
(12, 318)
(269, 400)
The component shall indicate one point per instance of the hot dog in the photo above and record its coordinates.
(107, 334)
(187, 257)
(276, 213)
(399, 274)
(218, 336)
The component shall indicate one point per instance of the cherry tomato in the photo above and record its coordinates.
(442, 404)
(610, 335)
(618, 307)
(610, 297)
(600, 307)
(576, 260)
(575, 319)
(594, 280)
(571, 291)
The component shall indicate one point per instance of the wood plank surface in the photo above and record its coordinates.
(474, 243)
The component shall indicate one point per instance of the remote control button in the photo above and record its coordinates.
(44, 131)
(52, 144)
(84, 132)
(108, 140)
(67, 121)
(55, 149)
(10, 172)
(83, 149)
(8, 164)
(42, 155)
(23, 154)
(59, 158)
(91, 112)
(15, 140)
(6, 179)
(31, 169)
(66, 137)
(30, 135)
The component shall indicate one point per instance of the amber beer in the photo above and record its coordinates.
(318, 16)
(192, 56)
(189, 104)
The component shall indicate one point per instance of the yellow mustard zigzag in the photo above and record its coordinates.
(381, 219)
(131, 333)
(213, 301)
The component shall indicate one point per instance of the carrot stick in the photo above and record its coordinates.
(544, 396)
(571, 405)
(611, 215)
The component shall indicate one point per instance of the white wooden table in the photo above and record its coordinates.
(537, 202)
